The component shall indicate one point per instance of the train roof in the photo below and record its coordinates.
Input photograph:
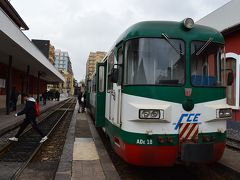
(172, 30)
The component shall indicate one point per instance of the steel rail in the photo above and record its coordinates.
(25, 164)
(43, 112)
(235, 141)
(7, 145)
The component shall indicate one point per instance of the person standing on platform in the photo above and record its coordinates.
(44, 97)
(13, 99)
(57, 95)
(30, 113)
(79, 101)
(83, 99)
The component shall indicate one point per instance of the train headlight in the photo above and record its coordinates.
(144, 114)
(155, 114)
(224, 113)
(188, 23)
(149, 114)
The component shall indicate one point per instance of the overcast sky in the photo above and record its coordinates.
(81, 26)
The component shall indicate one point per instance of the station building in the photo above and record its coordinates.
(226, 19)
(22, 65)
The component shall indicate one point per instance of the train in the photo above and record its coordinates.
(160, 94)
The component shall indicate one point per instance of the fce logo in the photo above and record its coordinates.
(189, 118)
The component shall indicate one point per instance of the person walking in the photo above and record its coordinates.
(30, 118)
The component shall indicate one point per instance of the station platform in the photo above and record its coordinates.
(231, 160)
(84, 155)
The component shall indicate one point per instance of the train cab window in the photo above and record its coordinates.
(206, 64)
(101, 79)
(231, 91)
(154, 61)
(110, 61)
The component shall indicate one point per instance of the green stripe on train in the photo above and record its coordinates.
(176, 94)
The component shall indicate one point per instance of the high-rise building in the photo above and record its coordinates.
(62, 61)
(64, 65)
(93, 58)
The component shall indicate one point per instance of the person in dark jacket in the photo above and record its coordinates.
(83, 101)
(44, 97)
(57, 95)
(79, 101)
(14, 98)
(30, 118)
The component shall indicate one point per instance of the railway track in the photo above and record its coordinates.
(233, 143)
(18, 155)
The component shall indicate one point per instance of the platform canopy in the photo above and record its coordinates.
(13, 42)
(223, 18)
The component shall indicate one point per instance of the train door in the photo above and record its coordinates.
(110, 95)
(114, 87)
(100, 94)
(118, 87)
(232, 64)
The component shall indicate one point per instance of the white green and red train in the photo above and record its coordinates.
(159, 94)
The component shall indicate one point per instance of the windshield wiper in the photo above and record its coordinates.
(204, 46)
(169, 42)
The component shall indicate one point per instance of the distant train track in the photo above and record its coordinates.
(233, 143)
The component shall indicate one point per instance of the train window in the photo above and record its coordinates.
(206, 64)
(94, 84)
(155, 61)
(101, 79)
(88, 86)
(120, 62)
(110, 66)
(231, 90)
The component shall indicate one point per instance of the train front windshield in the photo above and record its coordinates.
(155, 61)
(206, 64)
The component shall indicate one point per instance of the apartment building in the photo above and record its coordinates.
(93, 58)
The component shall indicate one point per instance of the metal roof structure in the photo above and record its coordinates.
(12, 13)
(223, 18)
(15, 43)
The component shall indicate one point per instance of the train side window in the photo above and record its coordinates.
(110, 66)
(120, 62)
(94, 84)
(89, 86)
(101, 79)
